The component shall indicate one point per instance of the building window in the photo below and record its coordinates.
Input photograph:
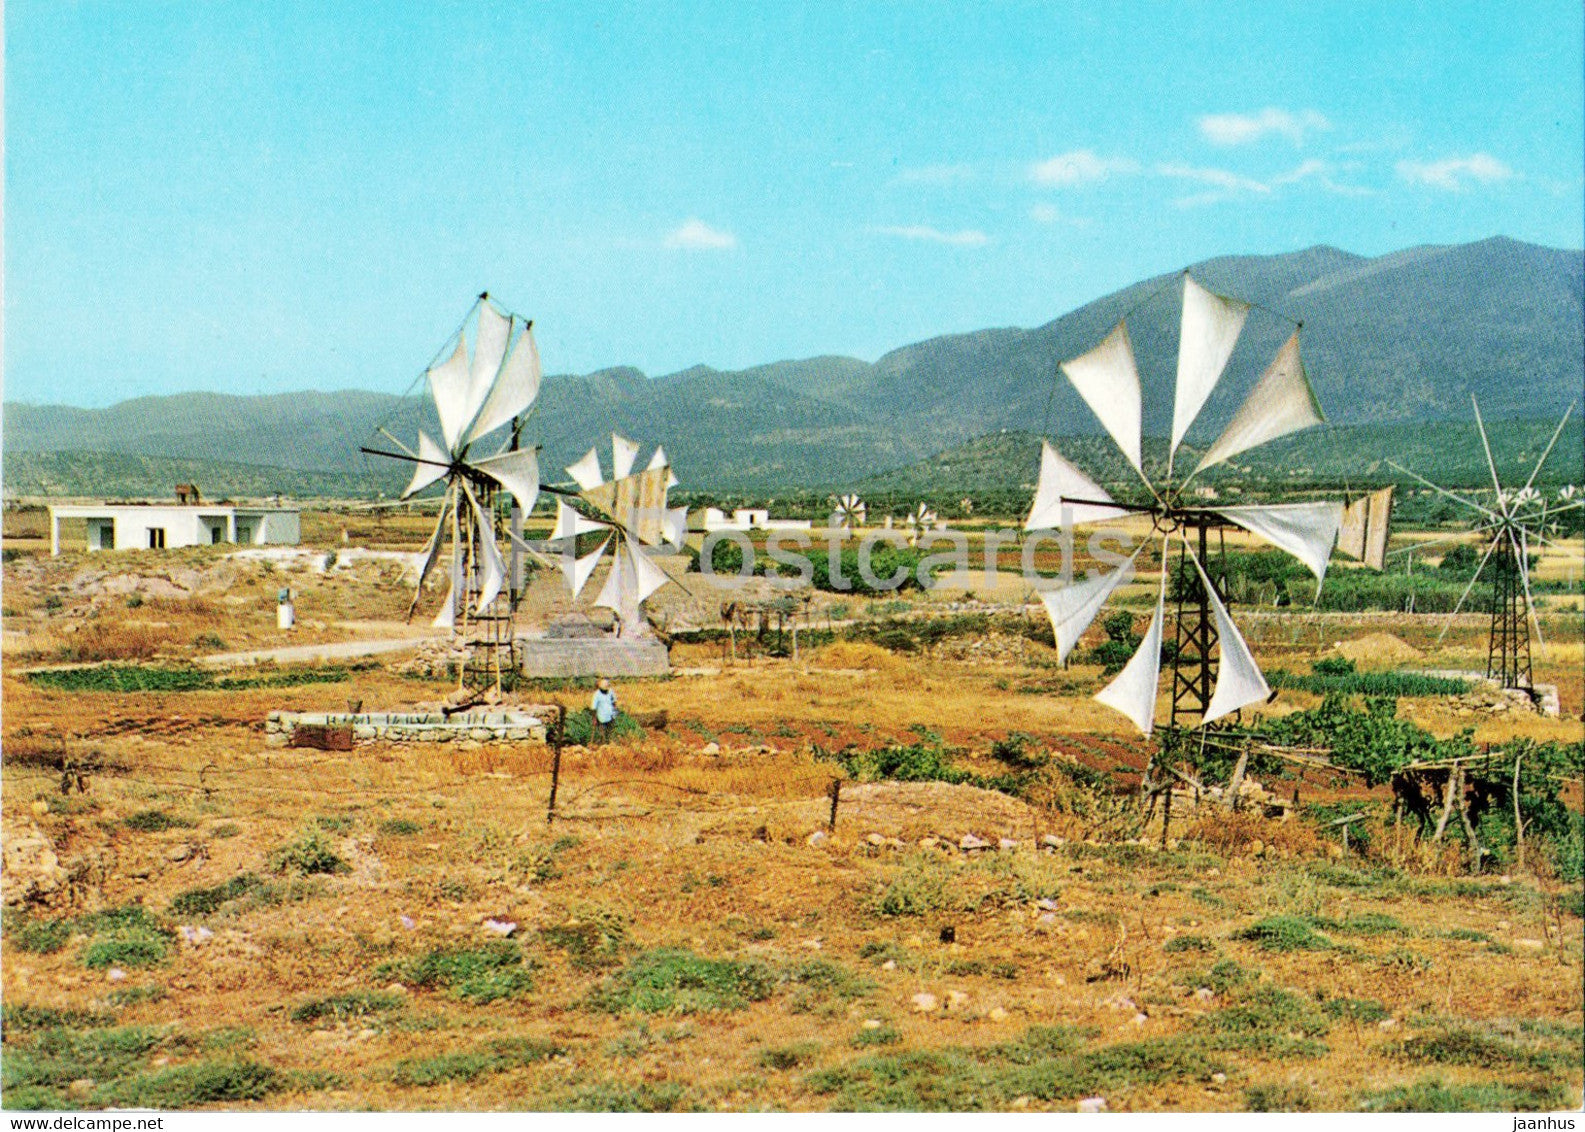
(156, 538)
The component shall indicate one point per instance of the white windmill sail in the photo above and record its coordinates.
(570, 524)
(586, 472)
(1238, 679)
(578, 570)
(1282, 402)
(448, 384)
(432, 465)
(658, 460)
(1108, 380)
(447, 617)
(1363, 534)
(1073, 608)
(489, 348)
(1210, 329)
(491, 566)
(1305, 530)
(623, 453)
(516, 388)
(518, 472)
(1060, 484)
(1133, 690)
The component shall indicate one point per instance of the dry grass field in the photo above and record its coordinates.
(208, 921)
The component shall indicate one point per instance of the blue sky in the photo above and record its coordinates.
(259, 198)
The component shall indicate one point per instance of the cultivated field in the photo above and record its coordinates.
(195, 918)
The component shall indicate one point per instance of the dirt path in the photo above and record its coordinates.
(297, 654)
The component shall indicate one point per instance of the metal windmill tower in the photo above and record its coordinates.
(1213, 673)
(1515, 522)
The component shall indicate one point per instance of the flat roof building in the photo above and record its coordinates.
(167, 526)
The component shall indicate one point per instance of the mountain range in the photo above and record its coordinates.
(1394, 339)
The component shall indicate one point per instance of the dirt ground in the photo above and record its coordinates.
(329, 930)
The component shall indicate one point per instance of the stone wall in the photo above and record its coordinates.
(519, 726)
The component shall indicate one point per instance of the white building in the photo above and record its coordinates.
(164, 526)
(751, 519)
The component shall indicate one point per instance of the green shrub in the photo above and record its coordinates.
(592, 939)
(341, 1007)
(613, 1097)
(496, 970)
(1432, 1095)
(1188, 943)
(188, 1086)
(1285, 933)
(788, 1057)
(124, 949)
(308, 855)
(154, 821)
(493, 1057)
(40, 937)
(207, 901)
(1279, 1098)
(680, 982)
(399, 827)
(879, 1036)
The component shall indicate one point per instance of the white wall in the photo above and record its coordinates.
(183, 526)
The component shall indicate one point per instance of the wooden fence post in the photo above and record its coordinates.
(558, 736)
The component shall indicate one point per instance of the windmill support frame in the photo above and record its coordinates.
(1508, 648)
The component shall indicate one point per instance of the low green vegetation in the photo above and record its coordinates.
(154, 821)
(485, 1060)
(1285, 933)
(207, 901)
(670, 981)
(1434, 1095)
(346, 1007)
(308, 855)
(126, 678)
(480, 975)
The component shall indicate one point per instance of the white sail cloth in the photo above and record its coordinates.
(1133, 690)
(1073, 608)
(1066, 496)
(1282, 402)
(1108, 380)
(1305, 530)
(1209, 331)
(1238, 679)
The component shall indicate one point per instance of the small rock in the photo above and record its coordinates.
(1021, 1101)
(997, 1014)
(1052, 841)
(889, 965)
(1048, 917)
(1092, 1104)
(195, 936)
(1219, 1078)
(1007, 843)
(816, 839)
(1387, 1024)
(924, 1002)
(710, 749)
(1204, 994)
(115, 974)
(1141, 1019)
(1503, 925)
(875, 839)
(1046, 904)
(929, 842)
(956, 1000)
(408, 923)
(969, 842)
(395, 988)
(873, 1023)
(500, 927)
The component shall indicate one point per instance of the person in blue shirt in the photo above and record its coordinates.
(603, 705)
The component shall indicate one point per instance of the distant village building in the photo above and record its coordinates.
(167, 526)
(750, 519)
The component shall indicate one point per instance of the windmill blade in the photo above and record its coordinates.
(433, 464)
(1074, 608)
(1238, 679)
(518, 472)
(1108, 379)
(570, 524)
(632, 579)
(1521, 548)
(586, 472)
(1282, 402)
(1133, 691)
(1470, 503)
(385, 432)
(448, 384)
(1557, 433)
(490, 339)
(1209, 331)
(1305, 530)
(1496, 485)
(676, 525)
(577, 570)
(623, 453)
(427, 555)
(516, 387)
(493, 566)
(447, 617)
(1061, 481)
(658, 460)
(1461, 597)
(530, 549)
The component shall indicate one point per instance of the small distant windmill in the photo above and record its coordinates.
(631, 511)
(1213, 673)
(850, 513)
(1517, 522)
(483, 379)
(917, 522)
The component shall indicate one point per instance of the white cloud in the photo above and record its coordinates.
(965, 238)
(936, 174)
(1045, 214)
(1081, 166)
(1455, 173)
(1223, 179)
(696, 236)
(1240, 129)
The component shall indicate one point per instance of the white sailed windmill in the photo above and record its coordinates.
(1517, 521)
(1281, 402)
(851, 511)
(631, 511)
(917, 522)
(483, 379)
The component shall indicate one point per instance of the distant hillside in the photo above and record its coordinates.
(1405, 337)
